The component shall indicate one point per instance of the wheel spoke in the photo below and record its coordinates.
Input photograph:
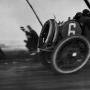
(72, 55)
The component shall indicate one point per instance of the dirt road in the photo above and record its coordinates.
(30, 76)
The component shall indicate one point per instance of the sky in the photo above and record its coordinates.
(16, 13)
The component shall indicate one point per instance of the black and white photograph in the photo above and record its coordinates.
(44, 44)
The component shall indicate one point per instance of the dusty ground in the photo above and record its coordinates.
(33, 76)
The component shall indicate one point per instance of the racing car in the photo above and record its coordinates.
(65, 47)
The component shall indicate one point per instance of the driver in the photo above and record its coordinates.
(84, 19)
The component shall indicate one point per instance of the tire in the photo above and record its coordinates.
(45, 59)
(71, 55)
(55, 38)
(57, 35)
(47, 34)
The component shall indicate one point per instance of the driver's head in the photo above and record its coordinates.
(77, 16)
(86, 12)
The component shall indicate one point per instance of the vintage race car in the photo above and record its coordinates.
(64, 48)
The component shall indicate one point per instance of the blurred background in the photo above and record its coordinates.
(16, 13)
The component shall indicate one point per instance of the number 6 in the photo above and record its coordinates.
(70, 31)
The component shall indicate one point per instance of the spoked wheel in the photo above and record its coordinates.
(71, 55)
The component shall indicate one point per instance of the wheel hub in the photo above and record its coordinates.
(71, 55)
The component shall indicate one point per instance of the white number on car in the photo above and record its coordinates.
(70, 30)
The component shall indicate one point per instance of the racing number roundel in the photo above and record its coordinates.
(71, 28)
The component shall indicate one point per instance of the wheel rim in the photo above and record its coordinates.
(71, 55)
